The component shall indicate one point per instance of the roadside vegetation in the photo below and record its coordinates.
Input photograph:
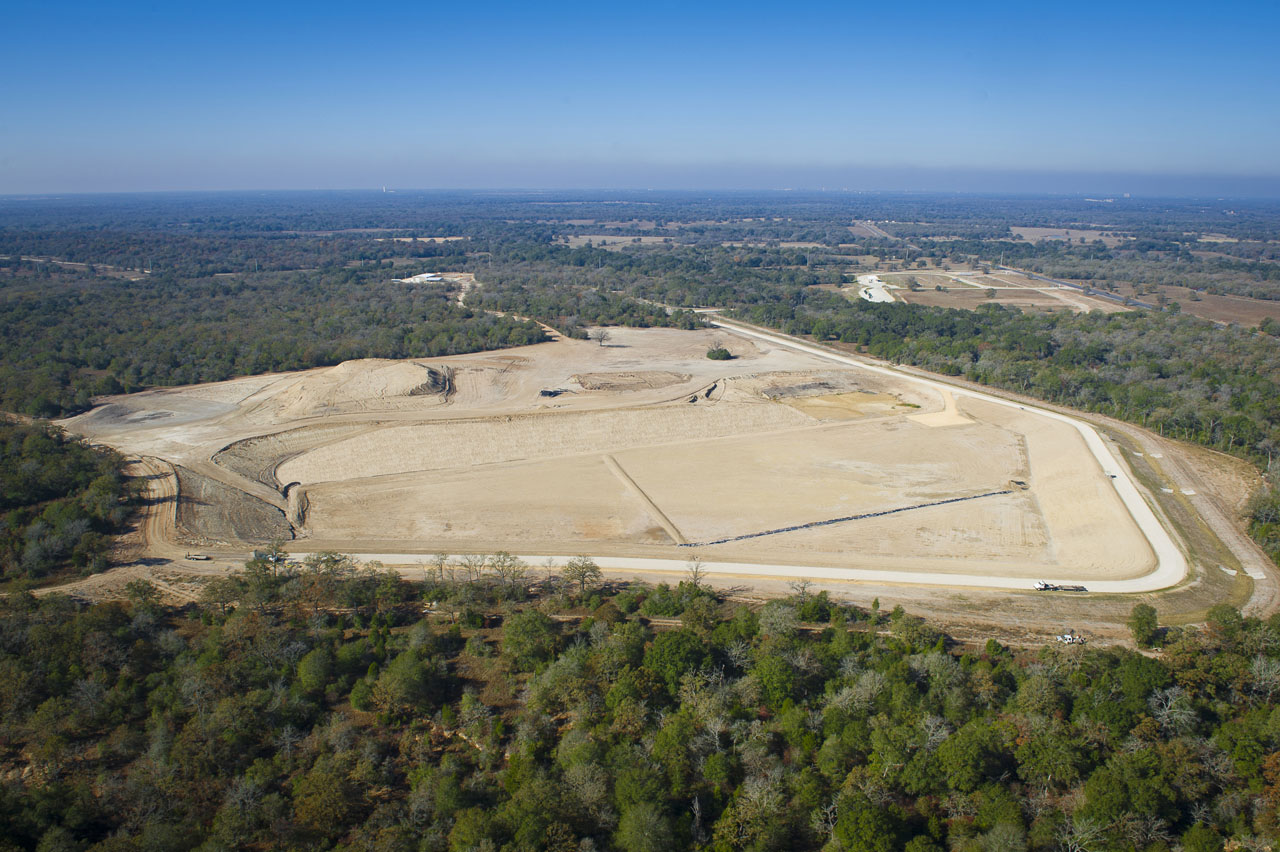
(60, 502)
(328, 706)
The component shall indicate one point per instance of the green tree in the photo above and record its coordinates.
(405, 685)
(472, 828)
(865, 827)
(674, 653)
(777, 678)
(972, 755)
(143, 594)
(529, 638)
(1225, 623)
(644, 828)
(324, 800)
(315, 670)
(1200, 838)
(1143, 624)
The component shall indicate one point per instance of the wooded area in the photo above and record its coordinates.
(316, 706)
(68, 339)
(60, 502)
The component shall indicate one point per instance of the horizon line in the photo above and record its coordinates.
(1087, 195)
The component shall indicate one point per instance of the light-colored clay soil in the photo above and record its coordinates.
(641, 448)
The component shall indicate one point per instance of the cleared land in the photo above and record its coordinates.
(1074, 235)
(612, 241)
(1218, 308)
(643, 450)
(971, 290)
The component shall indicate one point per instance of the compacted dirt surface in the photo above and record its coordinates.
(787, 462)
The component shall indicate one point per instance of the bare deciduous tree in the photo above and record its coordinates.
(695, 571)
(800, 588)
(440, 562)
(583, 571)
(511, 571)
(472, 566)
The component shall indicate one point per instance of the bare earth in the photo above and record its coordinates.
(646, 445)
(971, 290)
(648, 450)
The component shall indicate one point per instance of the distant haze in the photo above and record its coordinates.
(1091, 97)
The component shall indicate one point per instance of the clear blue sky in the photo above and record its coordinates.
(955, 95)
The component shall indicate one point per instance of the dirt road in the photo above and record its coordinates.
(150, 551)
(1171, 565)
(160, 556)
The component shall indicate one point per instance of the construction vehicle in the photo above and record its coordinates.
(1042, 586)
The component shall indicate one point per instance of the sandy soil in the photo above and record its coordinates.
(641, 449)
(601, 502)
(1171, 566)
(971, 290)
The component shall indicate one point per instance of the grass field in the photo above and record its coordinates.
(1238, 309)
(1075, 235)
(612, 241)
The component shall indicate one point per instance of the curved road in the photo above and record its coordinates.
(1171, 565)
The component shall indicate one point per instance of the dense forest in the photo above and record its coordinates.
(67, 339)
(316, 706)
(60, 502)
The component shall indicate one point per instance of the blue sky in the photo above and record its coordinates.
(1047, 97)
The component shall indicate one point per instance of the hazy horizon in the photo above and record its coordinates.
(907, 181)
(1151, 98)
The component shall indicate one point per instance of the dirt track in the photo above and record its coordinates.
(151, 550)
(1171, 566)
(195, 424)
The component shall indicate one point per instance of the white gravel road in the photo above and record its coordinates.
(1171, 564)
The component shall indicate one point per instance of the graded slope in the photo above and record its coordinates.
(647, 449)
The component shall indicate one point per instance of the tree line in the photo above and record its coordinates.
(68, 339)
(332, 705)
(60, 502)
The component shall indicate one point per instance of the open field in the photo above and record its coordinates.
(869, 229)
(1225, 309)
(1029, 300)
(786, 244)
(1075, 235)
(645, 449)
(98, 268)
(421, 239)
(971, 290)
(612, 241)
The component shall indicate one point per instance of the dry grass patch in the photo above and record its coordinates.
(1072, 234)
